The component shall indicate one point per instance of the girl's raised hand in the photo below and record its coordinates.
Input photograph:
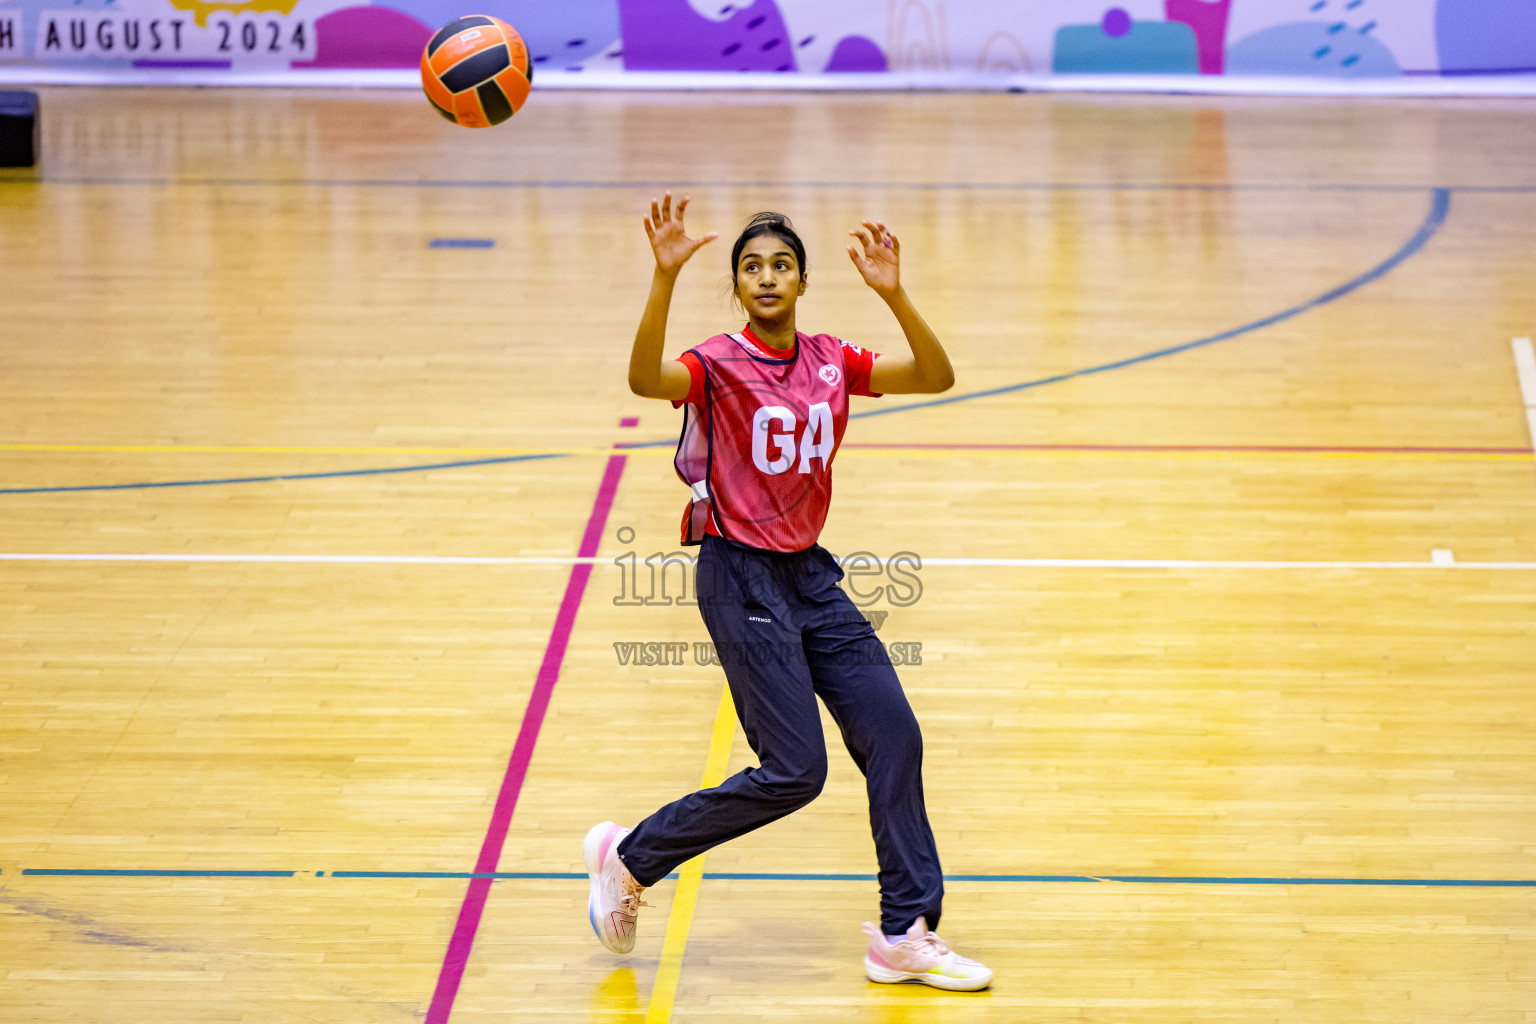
(669, 241)
(880, 260)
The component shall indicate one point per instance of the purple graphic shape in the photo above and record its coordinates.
(1209, 21)
(669, 35)
(1485, 37)
(1117, 22)
(367, 37)
(856, 53)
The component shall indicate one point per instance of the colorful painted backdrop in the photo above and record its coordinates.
(956, 37)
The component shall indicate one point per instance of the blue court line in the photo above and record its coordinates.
(677, 186)
(285, 476)
(798, 876)
(155, 873)
(1439, 209)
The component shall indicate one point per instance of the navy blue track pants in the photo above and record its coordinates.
(787, 634)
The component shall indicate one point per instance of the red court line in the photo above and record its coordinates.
(463, 939)
(1298, 448)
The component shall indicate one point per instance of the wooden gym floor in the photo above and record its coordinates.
(309, 609)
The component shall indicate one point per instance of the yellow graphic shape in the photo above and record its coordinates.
(202, 8)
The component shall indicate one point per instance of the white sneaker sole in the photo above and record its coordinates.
(891, 976)
(592, 852)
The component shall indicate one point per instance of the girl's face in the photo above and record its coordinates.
(768, 278)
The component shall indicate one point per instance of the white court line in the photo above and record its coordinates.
(306, 559)
(1525, 368)
(1203, 563)
(994, 563)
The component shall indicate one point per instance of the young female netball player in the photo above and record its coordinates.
(764, 412)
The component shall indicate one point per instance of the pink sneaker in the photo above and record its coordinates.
(922, 956)
(614, 899)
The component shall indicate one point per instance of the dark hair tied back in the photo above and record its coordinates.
(769, 223)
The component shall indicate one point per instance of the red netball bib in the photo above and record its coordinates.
(757, 452)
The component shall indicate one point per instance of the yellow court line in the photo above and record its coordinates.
(235, 449)
(690, 875)
(1112, 453)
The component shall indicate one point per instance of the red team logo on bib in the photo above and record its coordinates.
(829, 374)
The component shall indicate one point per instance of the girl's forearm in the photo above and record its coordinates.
(930, 361)
(651, 337)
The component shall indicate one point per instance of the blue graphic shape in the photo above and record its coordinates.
(1485, 36)
(1145, 48)
(1312, 48)
(558, 35)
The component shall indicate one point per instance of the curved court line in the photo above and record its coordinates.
(283, 476)
(1439, 209)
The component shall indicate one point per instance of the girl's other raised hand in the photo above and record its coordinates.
(669, 241)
